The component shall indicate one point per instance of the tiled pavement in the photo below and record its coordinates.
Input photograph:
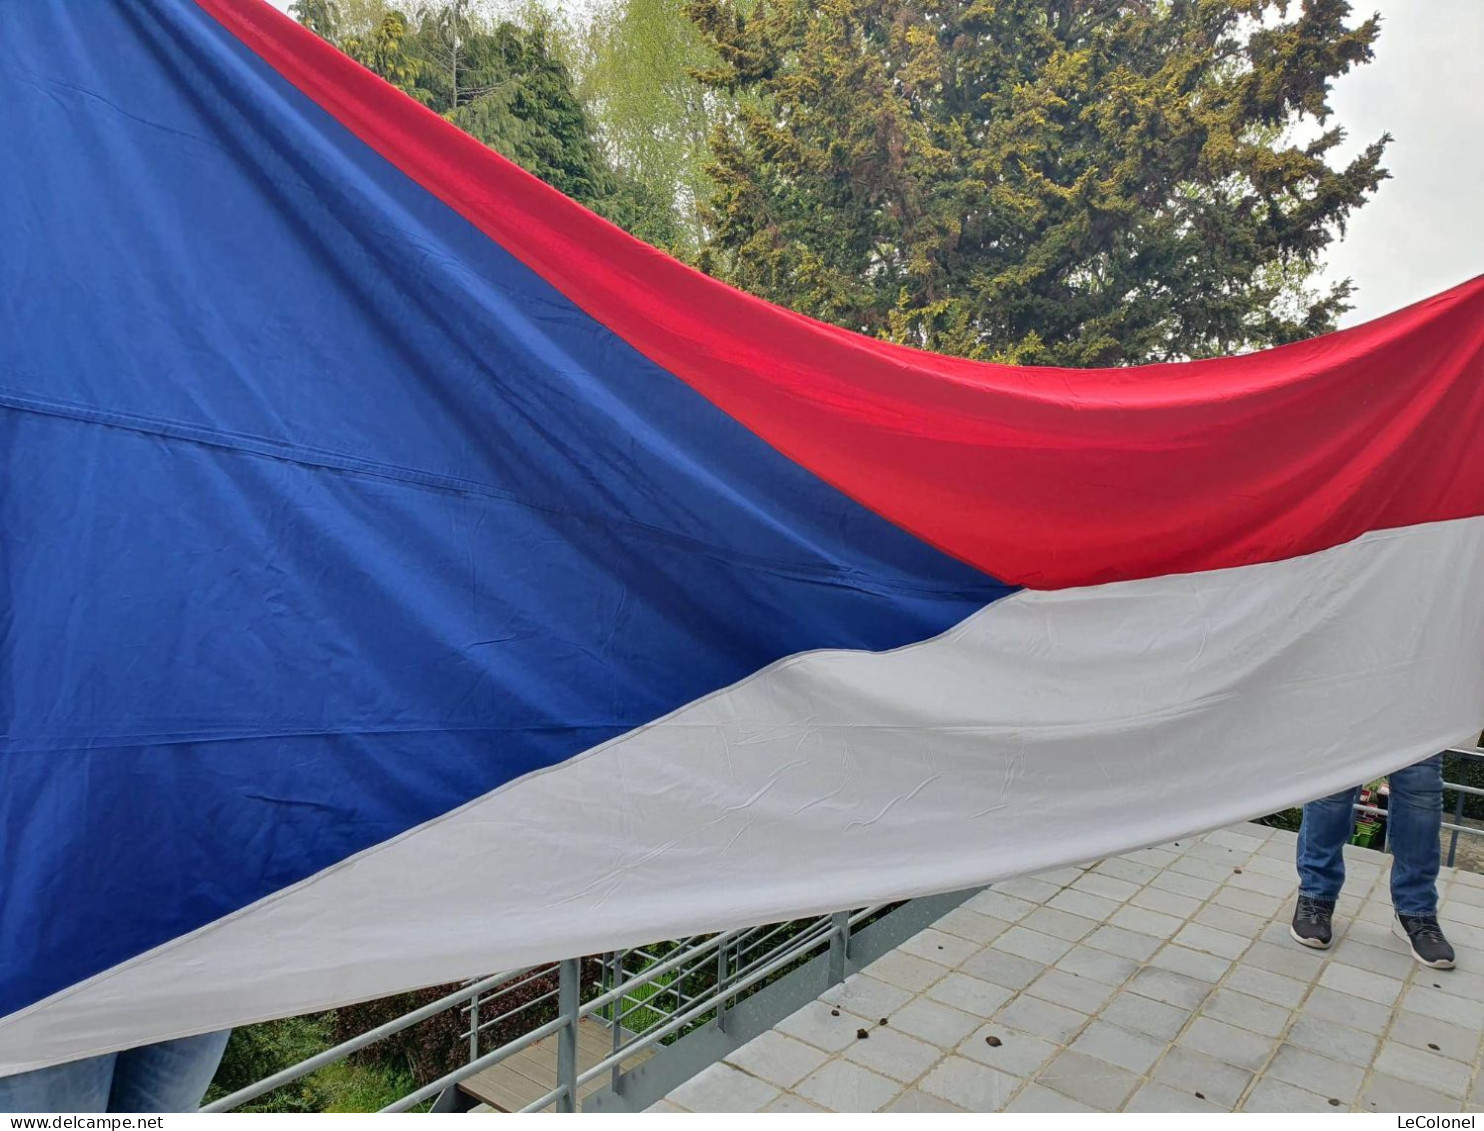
(1163, 980)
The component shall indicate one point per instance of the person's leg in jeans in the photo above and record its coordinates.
(1416, 822)
(79, 1086)
(168, 1077)
(1327, 826)
(1415, 816)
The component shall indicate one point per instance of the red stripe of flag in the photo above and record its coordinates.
(1042, 477)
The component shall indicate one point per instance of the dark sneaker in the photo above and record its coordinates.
(1311, 924)
(1429, 947)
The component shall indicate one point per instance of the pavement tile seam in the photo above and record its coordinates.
(1237, 994)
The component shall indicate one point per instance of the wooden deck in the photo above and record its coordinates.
(528, 1075)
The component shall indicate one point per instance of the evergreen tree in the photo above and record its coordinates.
(383, 49)
(1075, 182)
(518, 99)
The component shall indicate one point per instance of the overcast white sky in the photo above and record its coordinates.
(1424, 231)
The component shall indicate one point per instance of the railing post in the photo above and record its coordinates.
(1457, 820)
(839, 945)
(474, 1027)
(721, 981)
(615, 1011)
(569, 993)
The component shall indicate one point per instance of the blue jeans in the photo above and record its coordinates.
(168, 1077)
(1413, 824)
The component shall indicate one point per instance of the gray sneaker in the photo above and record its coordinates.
(1311, 922)
(1423, 934)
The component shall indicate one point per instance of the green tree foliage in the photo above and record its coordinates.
(520, 100)
(1075, 182)
(502, 84)
(337, 20)
(320, 16)
(636, 61)
(383, 48)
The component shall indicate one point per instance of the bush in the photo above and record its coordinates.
(1465, 771)
(425, 1051)
(1289, 819)
(258, 1051)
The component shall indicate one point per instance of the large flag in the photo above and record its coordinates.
(408, 575)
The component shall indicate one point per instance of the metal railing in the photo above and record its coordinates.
(644, 996)
(736, 962)
(1455, 828)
